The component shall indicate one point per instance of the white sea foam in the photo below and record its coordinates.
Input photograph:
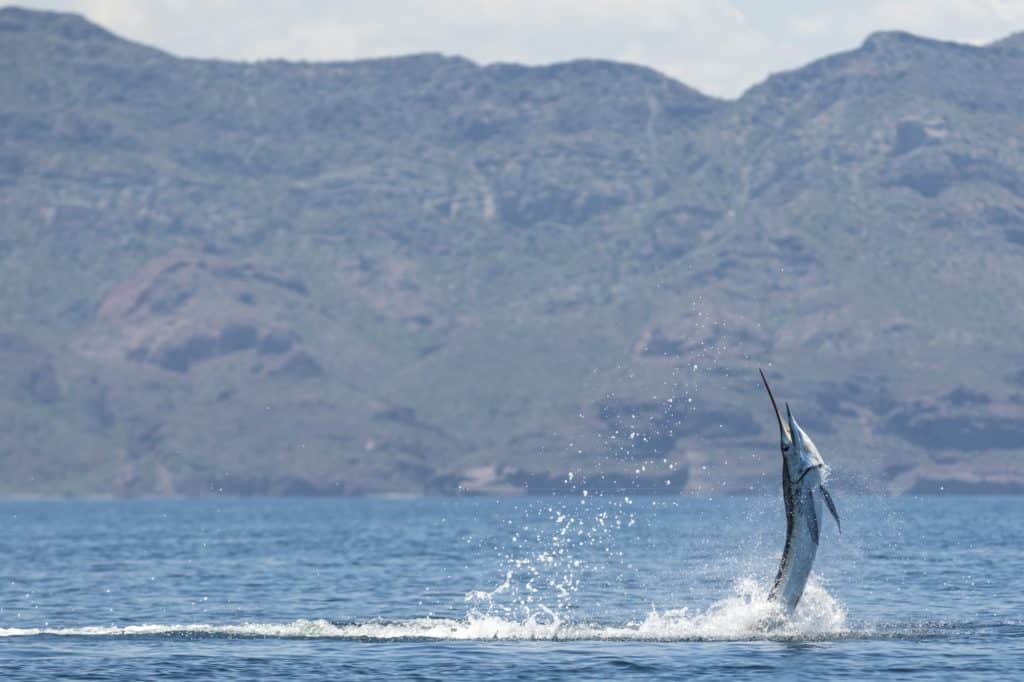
(744, 615)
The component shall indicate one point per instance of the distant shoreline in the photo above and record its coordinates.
(1009, 491)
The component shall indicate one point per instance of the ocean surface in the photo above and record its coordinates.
(525, 588)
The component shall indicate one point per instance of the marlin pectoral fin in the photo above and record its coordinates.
(812, 517)
(831, 507)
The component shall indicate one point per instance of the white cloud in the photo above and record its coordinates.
(311, 42)
(122, 16)
(809, 24)
(965, 20)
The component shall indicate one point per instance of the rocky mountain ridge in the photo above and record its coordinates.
(422, 275)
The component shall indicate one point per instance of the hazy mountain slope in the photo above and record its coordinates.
(416, 274)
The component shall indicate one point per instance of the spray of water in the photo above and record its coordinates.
(745, 615)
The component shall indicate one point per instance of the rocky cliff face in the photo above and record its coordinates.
(422, 275)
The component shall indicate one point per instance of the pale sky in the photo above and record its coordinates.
(720, 47)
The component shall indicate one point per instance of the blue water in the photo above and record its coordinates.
(530, 588)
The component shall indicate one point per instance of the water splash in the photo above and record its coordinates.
(549, 555)
(746, 614)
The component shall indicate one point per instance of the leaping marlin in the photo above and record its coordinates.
(803, 490)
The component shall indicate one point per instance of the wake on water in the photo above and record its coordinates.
(545, 571)
(744, 615)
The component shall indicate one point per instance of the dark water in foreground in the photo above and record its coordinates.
(515, 588)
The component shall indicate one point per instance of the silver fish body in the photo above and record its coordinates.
(804, 494)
